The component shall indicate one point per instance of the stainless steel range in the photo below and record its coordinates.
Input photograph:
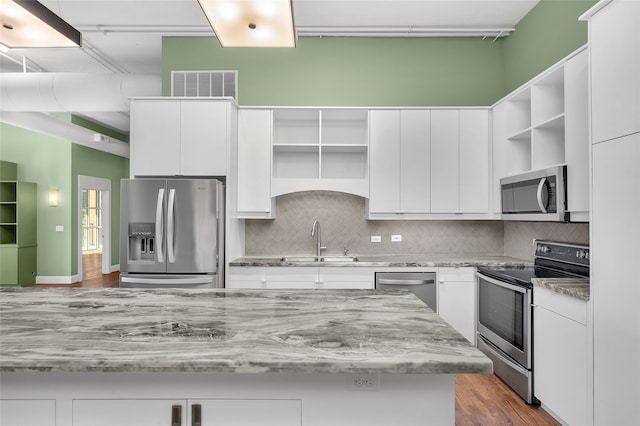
(505, 314)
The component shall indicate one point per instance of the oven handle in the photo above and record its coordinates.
(508, 286)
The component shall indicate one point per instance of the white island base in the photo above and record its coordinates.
(270, 399)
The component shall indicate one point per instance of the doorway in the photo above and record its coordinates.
(94, 227)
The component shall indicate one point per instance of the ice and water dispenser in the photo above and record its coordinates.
(142, 241)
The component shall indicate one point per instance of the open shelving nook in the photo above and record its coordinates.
(320, 148)
(536, 124)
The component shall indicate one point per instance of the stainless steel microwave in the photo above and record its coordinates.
(536, 196)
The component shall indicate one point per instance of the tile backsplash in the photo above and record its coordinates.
(519, 236)
(343, 224)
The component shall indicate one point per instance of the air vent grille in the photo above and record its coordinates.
(204, 83)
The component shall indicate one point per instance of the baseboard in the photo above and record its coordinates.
(115, 268)
(51, 279)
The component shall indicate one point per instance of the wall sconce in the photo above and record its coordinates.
(251, 23)
(27, 23)
(53, 197)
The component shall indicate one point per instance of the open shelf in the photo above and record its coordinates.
(344, 127)
(7, 192)
(291, 162)
(344, 162)
(8, 213)
(547, 97)
(296, 126)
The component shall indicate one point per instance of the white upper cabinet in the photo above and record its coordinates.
(474, 161)
(444, 161)
(614, 34)
(203, 138)
(576, 143)
(415, 152)
(428, 162)
(384, 176)
(254, 166)
(399, 175)
(498, 154)
(175, 137)
(320, 149)
(155, 138)
(460, 161)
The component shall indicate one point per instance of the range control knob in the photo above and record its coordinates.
(543, 249)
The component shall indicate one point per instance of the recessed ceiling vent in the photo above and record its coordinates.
(204, 83)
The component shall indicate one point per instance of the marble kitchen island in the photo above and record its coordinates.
(198, 357)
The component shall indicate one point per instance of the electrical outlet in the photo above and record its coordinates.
(376, 239)
(396, 238)
(363, 382)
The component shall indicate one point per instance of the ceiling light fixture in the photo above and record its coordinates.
(27, 23)
(251, 23)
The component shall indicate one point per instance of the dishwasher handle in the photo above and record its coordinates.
(389, 281)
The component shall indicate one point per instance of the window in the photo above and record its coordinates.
(91, 220)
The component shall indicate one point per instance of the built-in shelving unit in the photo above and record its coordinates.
(543, 124)
(17, 228)
(536, 125)
(317, 148)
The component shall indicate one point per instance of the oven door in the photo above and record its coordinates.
(504, 317)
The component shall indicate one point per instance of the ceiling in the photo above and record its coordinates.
(125, 36)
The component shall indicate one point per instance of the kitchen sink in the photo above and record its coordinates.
(299, 259)
(339, 259)
(321, 259)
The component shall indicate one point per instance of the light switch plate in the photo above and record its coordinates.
(59, 228)
(396, 238)
(376, 239)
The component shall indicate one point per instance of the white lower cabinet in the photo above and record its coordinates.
(457, 301)
(243, 412)
(247, 277)
(303, 277)
(31, 412)
(560, 348)
(355, 278)
(161, 412)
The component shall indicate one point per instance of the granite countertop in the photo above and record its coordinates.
(241, 331)
(574, 287)
(395, 260)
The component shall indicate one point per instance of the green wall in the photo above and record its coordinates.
(350, 70)
(46, 161)
(90, 162)
(55, 163)
(547, 34)
(390, 71)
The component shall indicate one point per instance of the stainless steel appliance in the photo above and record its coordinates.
(171, 233)
(536, 196)
(505, 314)
(422, 284)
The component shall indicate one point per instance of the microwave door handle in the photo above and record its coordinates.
(541, 186)
(171, 251)
(160, 225)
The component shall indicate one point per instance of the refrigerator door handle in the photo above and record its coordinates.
(160, 225)
(170, 226)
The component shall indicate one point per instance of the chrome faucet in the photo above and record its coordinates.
(315, 232)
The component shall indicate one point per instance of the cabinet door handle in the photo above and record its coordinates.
(196, 415)
(176, 415)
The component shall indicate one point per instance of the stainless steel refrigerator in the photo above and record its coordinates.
(171, 233)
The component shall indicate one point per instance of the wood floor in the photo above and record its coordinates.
(481, 399)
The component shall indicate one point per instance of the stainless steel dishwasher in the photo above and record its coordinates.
(422, 284)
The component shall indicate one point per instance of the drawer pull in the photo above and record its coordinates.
(196, 415)
(176, 415)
